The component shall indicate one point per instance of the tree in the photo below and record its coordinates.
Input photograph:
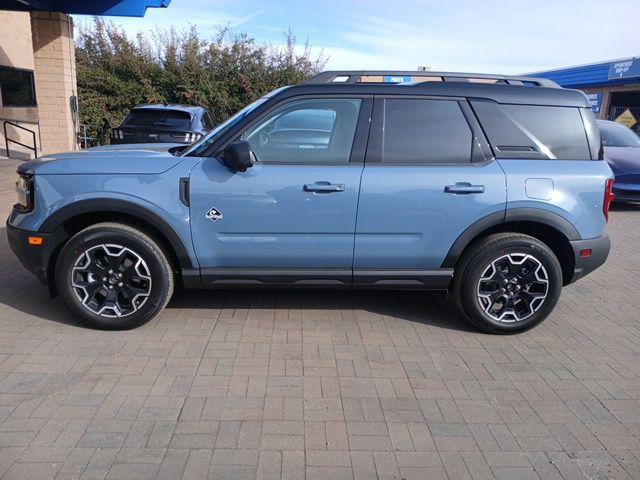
(116, 72)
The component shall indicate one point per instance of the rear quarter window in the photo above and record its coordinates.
(533, 131)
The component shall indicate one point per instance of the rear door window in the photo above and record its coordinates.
(425, 132)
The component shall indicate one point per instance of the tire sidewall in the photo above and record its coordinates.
(468, 295)
(86, 240)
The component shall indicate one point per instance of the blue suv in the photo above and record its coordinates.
(489, 187)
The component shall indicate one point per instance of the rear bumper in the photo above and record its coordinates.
(626, 188)
(626, 195)
(599, 247)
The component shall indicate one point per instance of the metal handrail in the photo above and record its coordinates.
(85, 138)
(34, 149)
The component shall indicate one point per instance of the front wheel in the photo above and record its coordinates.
(113, 276)
(507, 283)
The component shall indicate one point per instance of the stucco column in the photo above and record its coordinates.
(55, 78)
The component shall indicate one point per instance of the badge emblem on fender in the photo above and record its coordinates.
(213, 215)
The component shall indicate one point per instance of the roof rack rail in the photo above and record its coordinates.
(416, 77)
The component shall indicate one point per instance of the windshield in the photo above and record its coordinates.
(616, 135)
(174, 119)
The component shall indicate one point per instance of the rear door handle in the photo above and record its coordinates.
(464, 188)
(323, 187)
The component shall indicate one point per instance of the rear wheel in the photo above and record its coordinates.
(113, 276)
(507, 283)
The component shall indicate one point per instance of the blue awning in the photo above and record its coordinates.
(609, 73)
(120, 8)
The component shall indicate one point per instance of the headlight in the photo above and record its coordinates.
(24, 189)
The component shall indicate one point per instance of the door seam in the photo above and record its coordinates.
(364, 164)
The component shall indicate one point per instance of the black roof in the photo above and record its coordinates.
(505, 89)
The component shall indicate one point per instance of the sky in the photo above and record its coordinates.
(489, 36)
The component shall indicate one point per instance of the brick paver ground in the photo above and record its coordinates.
(329, 385)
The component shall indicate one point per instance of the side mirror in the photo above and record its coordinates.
(238, 156)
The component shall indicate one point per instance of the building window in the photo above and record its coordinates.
(17, 87)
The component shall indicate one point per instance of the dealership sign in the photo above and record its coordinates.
(625, 69)
(596, 101)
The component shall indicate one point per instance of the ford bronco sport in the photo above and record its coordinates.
(489, 187)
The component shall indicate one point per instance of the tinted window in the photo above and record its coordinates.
(593, 133)
(532, 131)
(17, 88)
(319, 120)
(425, 132)
(207, 122)
(616, 135)
(173, 119)
(313, 130)
(559, 129)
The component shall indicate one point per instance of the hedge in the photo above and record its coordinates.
(116, 72)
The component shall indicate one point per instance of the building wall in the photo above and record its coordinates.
(55, 67)
(15, 40)
(606, 95)
(43, 43)
(16, 50)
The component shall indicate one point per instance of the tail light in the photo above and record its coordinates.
(191, 137)
(608, 197)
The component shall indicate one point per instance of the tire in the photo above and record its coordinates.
(507, 283)
(112, 276)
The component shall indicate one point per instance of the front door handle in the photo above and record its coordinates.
(323, 187)
(464, 188)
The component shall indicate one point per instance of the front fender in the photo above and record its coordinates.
(181, 246)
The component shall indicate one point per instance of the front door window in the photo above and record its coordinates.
(306, 131)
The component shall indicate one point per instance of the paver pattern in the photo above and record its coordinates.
(322, 384)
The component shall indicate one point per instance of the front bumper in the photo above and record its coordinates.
(599, 247)
(34, 258)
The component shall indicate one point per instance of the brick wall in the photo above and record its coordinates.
(16, 51)
(55, 76)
